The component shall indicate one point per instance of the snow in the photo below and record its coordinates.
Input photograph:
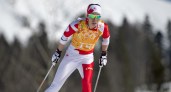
(57, 14)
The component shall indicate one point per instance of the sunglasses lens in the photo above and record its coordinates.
(91, 16)
(98, 17)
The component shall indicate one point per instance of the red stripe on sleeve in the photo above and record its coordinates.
(70, 30)
(106, 33)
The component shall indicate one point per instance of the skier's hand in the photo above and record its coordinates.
(103, 58)
(56, 56)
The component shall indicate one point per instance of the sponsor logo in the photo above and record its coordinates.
(89, 68)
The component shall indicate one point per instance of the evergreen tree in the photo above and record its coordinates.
(123, 56)
(4, 60)
(158, 41)
(147, 27)
(169, 38)
(169, 31)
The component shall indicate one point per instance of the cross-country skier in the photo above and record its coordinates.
(79, 55)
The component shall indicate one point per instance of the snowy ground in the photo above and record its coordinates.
(166, 87)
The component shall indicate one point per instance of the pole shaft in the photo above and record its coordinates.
(45, 78)
(97, 78)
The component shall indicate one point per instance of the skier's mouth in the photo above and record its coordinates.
(94, 23)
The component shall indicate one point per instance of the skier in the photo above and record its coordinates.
(85, 33)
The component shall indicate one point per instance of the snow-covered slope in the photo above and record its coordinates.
(57, 14)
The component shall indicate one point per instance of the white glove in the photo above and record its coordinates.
(103, 59)
(56, 56)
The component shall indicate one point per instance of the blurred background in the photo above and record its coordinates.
(139, 55)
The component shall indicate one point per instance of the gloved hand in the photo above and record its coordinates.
(56, 56)
(103, 58)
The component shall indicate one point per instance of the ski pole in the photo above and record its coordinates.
(53, 64)
(98, 78)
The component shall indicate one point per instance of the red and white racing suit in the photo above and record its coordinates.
(79, 54)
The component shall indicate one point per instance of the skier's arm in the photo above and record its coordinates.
(106, 38)
(61, 47)
(105, 44)
(104, 47)
(72, 28)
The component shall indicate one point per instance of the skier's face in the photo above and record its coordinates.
(93, 20)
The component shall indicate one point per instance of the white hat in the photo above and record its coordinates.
(94, 8)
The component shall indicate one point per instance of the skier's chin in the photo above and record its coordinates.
(94, 24)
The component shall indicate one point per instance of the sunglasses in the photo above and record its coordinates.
(92, 16)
